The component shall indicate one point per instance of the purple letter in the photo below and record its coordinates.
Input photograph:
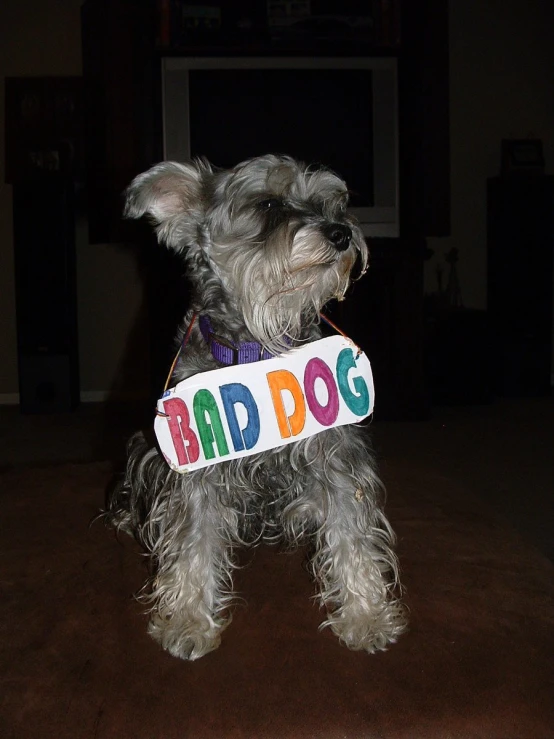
(325, 414)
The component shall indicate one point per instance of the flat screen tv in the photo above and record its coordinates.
(338, 112)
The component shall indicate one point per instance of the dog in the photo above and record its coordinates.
(266, 244)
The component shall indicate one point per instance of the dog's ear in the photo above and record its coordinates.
(170, 194)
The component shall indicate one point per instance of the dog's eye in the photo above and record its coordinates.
(270, 203)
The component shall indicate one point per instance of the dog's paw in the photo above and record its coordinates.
(184, 639)
(368, 631)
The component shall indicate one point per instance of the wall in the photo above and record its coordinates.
(501, 86)
(502, 70)
(41, 38)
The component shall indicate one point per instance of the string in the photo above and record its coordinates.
(340, 331)
(189, 331)
(179, 350)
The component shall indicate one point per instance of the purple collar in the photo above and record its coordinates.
(227, 352)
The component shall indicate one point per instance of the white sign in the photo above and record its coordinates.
(249, 408)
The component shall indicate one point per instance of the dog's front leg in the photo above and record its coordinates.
(191, 588)
(354, 562)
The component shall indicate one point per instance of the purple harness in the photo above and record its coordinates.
(227, 352)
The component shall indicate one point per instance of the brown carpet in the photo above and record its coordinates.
(75, 660)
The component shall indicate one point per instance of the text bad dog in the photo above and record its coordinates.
(203, 420)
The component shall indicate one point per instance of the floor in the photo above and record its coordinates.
(502, 452)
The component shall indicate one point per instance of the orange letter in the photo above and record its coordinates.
(278, 381)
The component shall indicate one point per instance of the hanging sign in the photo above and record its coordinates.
(245, 409)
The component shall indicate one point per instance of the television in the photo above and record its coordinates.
(337, 112)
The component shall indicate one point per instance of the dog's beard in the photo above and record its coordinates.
(280, 284)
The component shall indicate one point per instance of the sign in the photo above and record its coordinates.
(245, 409)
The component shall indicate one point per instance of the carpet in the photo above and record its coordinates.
(75, 659)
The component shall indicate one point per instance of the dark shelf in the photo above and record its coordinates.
(247, 49)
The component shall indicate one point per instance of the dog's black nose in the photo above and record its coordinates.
(339, 235)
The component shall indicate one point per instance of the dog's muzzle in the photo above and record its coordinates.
(339, 235)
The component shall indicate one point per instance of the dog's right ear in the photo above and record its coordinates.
(170, 194)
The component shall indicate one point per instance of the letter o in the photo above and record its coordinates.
(327, 414)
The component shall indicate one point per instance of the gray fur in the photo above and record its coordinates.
(260, 271)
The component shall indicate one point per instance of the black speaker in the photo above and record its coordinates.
(46, 300)
(520, 223)
(44, 163)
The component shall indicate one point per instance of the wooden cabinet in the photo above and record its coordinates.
(124, 42)
(520, 259)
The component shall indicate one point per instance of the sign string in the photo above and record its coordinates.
(186, 338)
(181, 348)
(333, 325)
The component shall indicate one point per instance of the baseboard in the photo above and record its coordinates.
(9, 398)
(87, 396)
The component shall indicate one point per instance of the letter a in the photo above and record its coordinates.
(184, 438)
(204, 403)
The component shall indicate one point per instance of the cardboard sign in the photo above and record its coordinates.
(246, 409)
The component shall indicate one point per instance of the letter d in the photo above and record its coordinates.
(278, 381)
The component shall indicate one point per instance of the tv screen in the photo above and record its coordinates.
(320, 116)
(338, 112)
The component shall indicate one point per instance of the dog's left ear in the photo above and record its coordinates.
(171, 195)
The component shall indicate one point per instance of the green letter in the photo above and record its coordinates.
(204, 403)
(358, 402)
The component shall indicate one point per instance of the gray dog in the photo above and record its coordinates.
(266, 245)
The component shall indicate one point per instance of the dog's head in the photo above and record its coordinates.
(271, 238)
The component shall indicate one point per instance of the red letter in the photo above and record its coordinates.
(179, 425)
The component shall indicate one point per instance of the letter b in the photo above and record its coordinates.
(184, 438)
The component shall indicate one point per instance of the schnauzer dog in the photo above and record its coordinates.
(266, 245)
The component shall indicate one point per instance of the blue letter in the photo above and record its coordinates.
(233, 393)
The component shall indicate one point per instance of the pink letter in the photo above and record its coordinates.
(325, 414)
(179, 425)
